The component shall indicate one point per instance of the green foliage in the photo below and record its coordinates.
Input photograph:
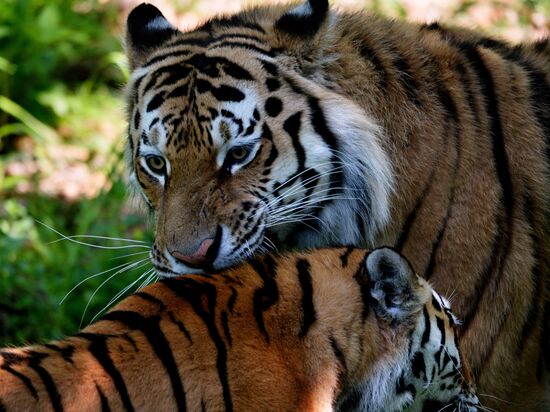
(60, 70)
(44, 43)
(35, 274)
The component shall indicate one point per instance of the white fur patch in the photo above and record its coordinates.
(159, 23)
(302, 10)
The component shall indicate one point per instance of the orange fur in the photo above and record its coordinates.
(230, 341)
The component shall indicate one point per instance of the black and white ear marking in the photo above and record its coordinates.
(393, 285)
(146, 28)
(304, 20)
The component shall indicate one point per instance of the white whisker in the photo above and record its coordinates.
(124, 266)
(135, 265)
(130, 254)
(90, 244)
(118, 239)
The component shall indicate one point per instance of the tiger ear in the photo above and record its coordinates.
(396, 292)
(304, 20)
(146, 29)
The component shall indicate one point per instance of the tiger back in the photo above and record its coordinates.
(335, 329)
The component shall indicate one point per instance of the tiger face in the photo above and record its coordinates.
(234, 152)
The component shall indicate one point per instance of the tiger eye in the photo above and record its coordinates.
(239, 153)
(156, 163)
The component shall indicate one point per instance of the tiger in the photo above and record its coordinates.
(295, 126)
(327, 330)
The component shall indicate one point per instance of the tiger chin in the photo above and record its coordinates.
(297, 126)
(327, 330)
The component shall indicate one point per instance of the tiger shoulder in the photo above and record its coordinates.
(337, 329)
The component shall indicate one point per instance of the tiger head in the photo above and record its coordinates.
(237, 144)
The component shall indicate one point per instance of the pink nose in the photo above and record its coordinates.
(199, 257)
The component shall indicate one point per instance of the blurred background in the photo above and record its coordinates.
(62, 132)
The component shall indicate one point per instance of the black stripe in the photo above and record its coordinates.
(213, 67)
(487, 87)
(223, 93)
(225, 326)
(345, 256)
(308, 308)
(369, 54)
(98, 348)
(409, 221)
(418, 365)
(34, 363)
(130, 340)
(180, 325)
(269, 67)
(150, 327)
(405, 75)
(437, 306)
(361, 277)
(150, 298)
(200, 295)
(427, 328)
(103, 399)
(529, 325)
(292, 127)
(232, 299)
(164, 56)
(452, 113)
(321, 128)
(175, 72)
(66, 351)
(340, 357)
(23, 378)
(2, 407)
(11, 358)
(501, 245)
(441, 326)
(237, 36)
(470, 96)
(155, 102)
(268, 294)
(244, 45)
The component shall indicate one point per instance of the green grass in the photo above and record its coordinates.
(61, 68)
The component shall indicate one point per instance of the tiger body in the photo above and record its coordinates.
(328, 330)
(304, 127)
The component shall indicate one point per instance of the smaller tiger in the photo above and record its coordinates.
(327, 330)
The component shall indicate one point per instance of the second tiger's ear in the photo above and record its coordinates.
(396, 292)
(305, 20)
(146, 30)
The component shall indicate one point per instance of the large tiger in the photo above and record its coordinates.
(337, 329)
(298, 126)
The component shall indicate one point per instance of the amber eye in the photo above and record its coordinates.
(157, 164)
(237, 153)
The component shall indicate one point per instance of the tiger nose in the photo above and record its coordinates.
(200, 257)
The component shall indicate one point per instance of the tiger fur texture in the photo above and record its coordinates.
(337, 329)
(298, 126)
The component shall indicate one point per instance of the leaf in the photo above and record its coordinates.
(37, 129)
